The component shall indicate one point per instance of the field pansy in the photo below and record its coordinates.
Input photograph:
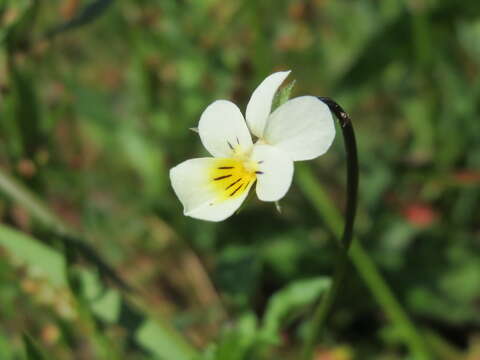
(213, 188)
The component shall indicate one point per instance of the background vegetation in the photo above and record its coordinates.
(97, 260)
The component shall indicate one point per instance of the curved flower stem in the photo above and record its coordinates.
(325, 305)
(360, 259)
(352, 169)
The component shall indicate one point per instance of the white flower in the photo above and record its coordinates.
(213, 188)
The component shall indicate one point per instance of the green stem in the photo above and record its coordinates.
(442, 349)
(324, 307)
(385, 297)
(363, 264)
(19, 193)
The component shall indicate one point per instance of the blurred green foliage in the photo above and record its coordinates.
(96, 99)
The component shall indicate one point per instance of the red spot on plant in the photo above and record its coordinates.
(420, 214)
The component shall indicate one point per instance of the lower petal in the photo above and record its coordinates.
(218, 211)
(274, 173)
(204, 187)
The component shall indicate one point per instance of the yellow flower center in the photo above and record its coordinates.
(231, 177)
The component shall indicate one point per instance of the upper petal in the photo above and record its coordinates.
(275, 172)
(222, 129)
(260, 104)
(303, 127)
(192, 181)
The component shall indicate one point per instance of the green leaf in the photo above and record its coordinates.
(289, 301)
(25, 109)
(50, 221)
(5, 348)
(15, 7)
(36, 207)
(237, 272)
(163, 341)
(387, 45)
(106, 303)
(282, 95)
(235, 343)
(17, 28)
(32, 350)
(86, 16)
(21, 105)
(34, 255)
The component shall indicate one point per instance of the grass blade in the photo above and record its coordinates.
(32, 350)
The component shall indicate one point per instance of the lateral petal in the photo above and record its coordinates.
(303, 127)
(223, 130)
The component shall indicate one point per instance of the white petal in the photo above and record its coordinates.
(219, 211)
(192, 184)
(275, 172)
(260, 104)
(222, 129)
(303, 127)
